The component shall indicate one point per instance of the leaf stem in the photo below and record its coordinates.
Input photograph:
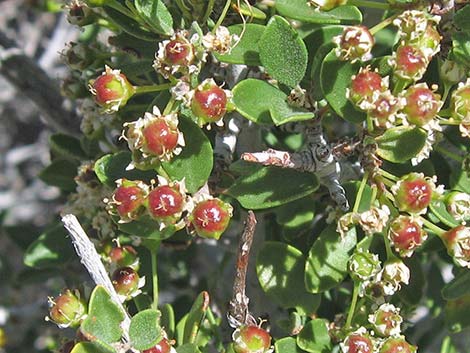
(152, 88)
(360, 192)
(369, 4)
(352, 308)
(431, 226)
(381, 25)
(388, 247)
(388, 175)
(153, 255)
(222, 15)
(210, 7)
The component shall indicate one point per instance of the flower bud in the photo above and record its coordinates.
(68, 309)
(364, 265)
(422, 104)
(393, 274)
(358, 341)
(326, 5)
(128, 199)
(397, 344)
(354, 44)
(406, 234)
(458, 205)
(251, 339)
(386, 320)
(112, 90)
(457, 242)
(210, 217)
(413, 193)
(209, 102)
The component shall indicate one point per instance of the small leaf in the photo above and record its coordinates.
(92, 347)
(267, 187)
(335, 78)
(328, 258)
(128, 25)
(461, 48)
(155, 13)
(60, 173)
(168, 319)
(144, 331)
(103, 322)
(461, 18)
(282, 52)
(263, 103)
(51, 249)
(188, 348)
(300, 10)
(112, 167)
(458, 287)
(280, 268)
(399, 144)
(287, 345)
(246, 52)
(195, 161)
(195, 317)
(314, 337)
(146, 227)
(296, 217)
(439, 209)
(66, 146)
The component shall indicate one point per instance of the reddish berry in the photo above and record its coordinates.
(125, 281)
(411, 63)
(357, 343)
(161, 347)
(165, 202)
(123, 256)
(251, 339)
(406, 235)
(354, 44)
(365, 86)
(160, 137)
(422, 105)
(397, 345)
(67, 309)
(112, 90)
(179, 51)
(413, 193)
(128, 198)
(209, 102)
(211, 217)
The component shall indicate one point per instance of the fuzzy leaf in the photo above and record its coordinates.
(267, 187)
(287, 345)
(92, 347)
(327, 263)
(400, 144)
(144, 331)
(314, 337)
(155, 13)
(282, 52)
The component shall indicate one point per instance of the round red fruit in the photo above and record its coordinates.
(125, 281)
(161, 347)
(165, 201)
(406, 235)
(251, 339)
(422, 105)
(211, 217)
(359, 344)
(179, 52)
(160, 137)
(128, 199)
(209, 102)
(397, 345)
(67, 309)
(414, 193)
(411, 63)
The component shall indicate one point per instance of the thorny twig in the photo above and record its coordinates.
(238, 313)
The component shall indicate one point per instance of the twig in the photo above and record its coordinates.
(33, 82)
(90, 258)
(238, 313)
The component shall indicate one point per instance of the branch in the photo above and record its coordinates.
(34, 83)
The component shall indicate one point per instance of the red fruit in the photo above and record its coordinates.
(160, 137)
(211, 217)
(112, 89)
(179, 51)
(406, 235)
(165, 201)
(251, 339)
(411, 63)
(67, 309)
(397, 345)
(414, 193)
(209, 102)
(123, 256)
(161, 347)
(365, 86)
(359, 344)
(422, 105)
(125, 281)
(128, 199)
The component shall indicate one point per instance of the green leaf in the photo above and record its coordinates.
(299, 10)
(314, 337)
(128, 25)
(92, 347)
(267, 187)
(327, 263)
(246, 51)
(146, 227)
(400, 144)
(60, 173)
(287, 345)
(51, 249)
(263, 103)
(282, 52)
(461, 48)
(412, 293)
(103, 322)
(112, 167)
(188, 348)
(296, 216)
(335, 79)
(280, 268)
(461, 18)
(250, 11)
(439, 209)
(458, 287)
(195, 161)
(144, 331)
(457, 313)
(66, 146)
(195, 317)
(155, 13)
(168, 319)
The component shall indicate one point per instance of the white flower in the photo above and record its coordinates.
(457, 241)
(374, 220)
(458, 205)
(386, 320)
(393, 274)
(354, 44)
(221, 42)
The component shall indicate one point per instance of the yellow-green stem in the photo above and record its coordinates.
(379, 26)
(357, 203)
(352, 308)
(153, 254)
(222, 16)
(152, 88)
(432, 227)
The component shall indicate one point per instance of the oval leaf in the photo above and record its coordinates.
(144, 331)
(155, 13)
(300, 10)
(287, 345)
(66, 146)
(60, 173)
(195, 161)
(128, 25)
(103, 322)
(263, 103)
(194, 318)
(327, 263)
(280, 268)
(92, 347)
(401, 143)
(314, 337)
(267, 187)
(335, 79)
(458, 287)
(282, 52)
